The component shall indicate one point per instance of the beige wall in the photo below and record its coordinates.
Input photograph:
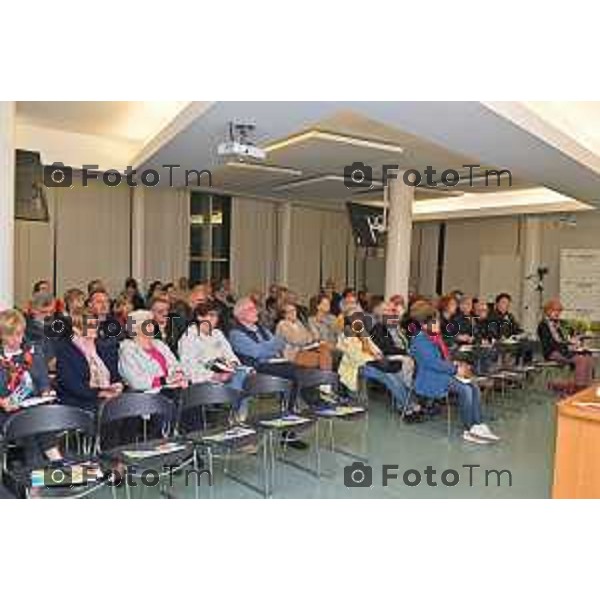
(166, 233)
(93, 238)
(321, 248)
(253, 243)
(467, 240)
(33, 256)
(92, 235)
(88, 230)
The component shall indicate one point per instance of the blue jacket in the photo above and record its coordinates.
(255, 346)
(73, 372)
(433, 371)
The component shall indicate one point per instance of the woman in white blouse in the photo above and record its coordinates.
(207, 356)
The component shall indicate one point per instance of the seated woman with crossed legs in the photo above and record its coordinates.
(557, 345)
(437, 374)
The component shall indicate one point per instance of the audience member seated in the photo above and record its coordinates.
(487, 353)
(121, 310)
(364, 300)
(219, 301)
(269, 313)
(335, 298)
(437, 376)
(559, 347)
(86, 367)
(455, 327)
(146, 363)
(197, 296)
(45, 286)
(155, 286)
(291, 297)
(183, 286)
(41, 315)
(357, 348)
(224, 293)
(395, 369)
(95, 285)
(322, 322)
(391, 338)
(170, 291)
(169, 326)
(206, 354)
(257, 347)
(302, 345)
(272, 297)
(22, 376)
(502, 324)
(398, 305)
(99, 304)
(349, 301)
(132, 292)
(74, 301)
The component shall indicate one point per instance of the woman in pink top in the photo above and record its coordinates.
(146, 363)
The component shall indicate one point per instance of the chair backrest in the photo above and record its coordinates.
(47, 419)
(136, 404)
(208, 394)
(267, 385)
(312, 378)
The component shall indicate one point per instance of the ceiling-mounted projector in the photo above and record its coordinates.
(238, 150)
(239, 146)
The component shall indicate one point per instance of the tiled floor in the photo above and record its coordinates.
(525, 421)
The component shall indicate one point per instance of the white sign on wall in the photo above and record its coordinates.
(580, 283)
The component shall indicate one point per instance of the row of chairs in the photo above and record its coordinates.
(194, 427)
(509, 377)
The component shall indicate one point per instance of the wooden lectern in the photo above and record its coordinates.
(577, 458)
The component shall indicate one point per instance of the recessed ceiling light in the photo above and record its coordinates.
(335, 138)
(268, 168)
(310, 180)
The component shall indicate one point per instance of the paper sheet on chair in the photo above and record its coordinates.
(166, 448)
(286, 421)
(235, 433)
(340, 411)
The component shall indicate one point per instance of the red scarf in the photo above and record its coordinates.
(438, 341)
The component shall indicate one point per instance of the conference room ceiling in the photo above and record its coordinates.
(310, 143)
(131, 121)
(309, 164)
(440, 134)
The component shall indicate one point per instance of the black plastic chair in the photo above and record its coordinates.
(224, 440)
(205, 396)
(50, 419)
(313, 378)
(144, 406)
(274, 429)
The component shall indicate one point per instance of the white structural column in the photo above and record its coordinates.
(284, 240)
(138, 221)
(7, 203)
(399, 233)
(531, 234)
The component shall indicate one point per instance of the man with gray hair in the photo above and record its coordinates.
(257, 347)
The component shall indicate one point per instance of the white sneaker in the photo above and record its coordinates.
(474, 439)
(483, 431)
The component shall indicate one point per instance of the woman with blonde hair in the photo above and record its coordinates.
(23, 375)
(558, 346)
(357, 350)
